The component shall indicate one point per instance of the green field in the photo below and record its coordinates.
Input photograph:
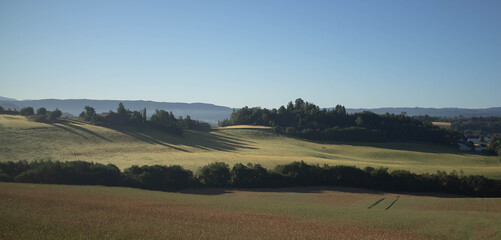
(21, 139)
(36, 211)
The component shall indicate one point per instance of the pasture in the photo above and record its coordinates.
(71, 140)
(37, 211)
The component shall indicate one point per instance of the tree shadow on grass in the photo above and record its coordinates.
(68, 130)
(203, 140)
(148, 139)
(71, 125)
(232, 138)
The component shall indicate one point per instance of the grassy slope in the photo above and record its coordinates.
(24, 140)
(34, 211)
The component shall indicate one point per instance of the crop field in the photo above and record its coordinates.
(21, 139)
(37, 211)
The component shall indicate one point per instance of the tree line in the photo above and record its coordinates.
(41, 115)
(309, 121)
(219, 174)
(488, 126)
(161, 119)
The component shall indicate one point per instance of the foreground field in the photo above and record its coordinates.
(72, 140)
(34, 211)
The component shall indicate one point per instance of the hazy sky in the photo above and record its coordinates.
(255, 53)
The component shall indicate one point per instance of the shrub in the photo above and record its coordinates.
(4, 177)
(12, 169)
(291, 131)
(158, 177)
(299, 173)
(78, 172)
(215, 174)
(27, 111)
(42, 111)
(249, 175)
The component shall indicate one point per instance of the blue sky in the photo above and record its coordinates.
(255, 53)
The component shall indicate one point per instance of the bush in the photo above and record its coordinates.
(12, 169)
(215, 174)
(159, 177)
(290, 131)
(78, 172)
(42, 111)
(55, 115)
(249, 176)
(4, 177)
(27, 111)
(299, 173)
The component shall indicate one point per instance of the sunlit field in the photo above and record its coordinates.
(442, 124)
(21, 139)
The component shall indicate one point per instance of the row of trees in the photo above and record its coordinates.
(219, 174)
(307, 120)
(41, 115)
(478, 125)
(160, 119)
(468, 125)
(8, 111)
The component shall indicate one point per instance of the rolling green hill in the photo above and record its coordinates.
(21, 139)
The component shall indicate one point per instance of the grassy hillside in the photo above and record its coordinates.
(33, 211)
(24, 140)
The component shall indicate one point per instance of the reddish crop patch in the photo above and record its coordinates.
(71, 212)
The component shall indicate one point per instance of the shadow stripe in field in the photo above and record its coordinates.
(376, 203)
(392, 203)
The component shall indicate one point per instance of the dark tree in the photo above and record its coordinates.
(89, 114)
(55, 115)
(27, 111)
(121, 109)
(42, 111)
(215, 174)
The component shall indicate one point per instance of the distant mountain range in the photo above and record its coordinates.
(212, 113)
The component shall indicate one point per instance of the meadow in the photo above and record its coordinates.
(21, 139)
(37, 211)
